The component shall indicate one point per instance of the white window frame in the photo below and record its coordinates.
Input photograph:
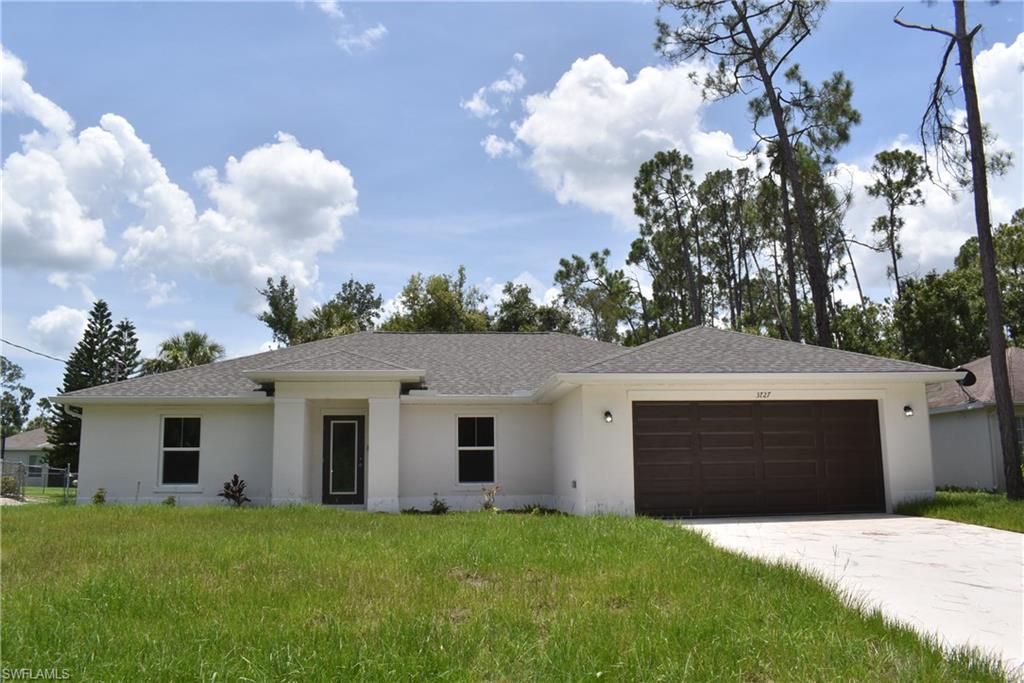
(161, 486)
(458, 449)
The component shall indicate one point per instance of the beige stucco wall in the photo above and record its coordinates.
(429, 456)
(966, 449)
(120, 452)
(567, 452)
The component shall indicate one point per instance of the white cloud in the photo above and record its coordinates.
(503, 88)
(586, 138)
(538, 292)
(160, 293)
(274, 211)
(495, 146)
(66, 281)
(352, 41)
(331, 8)
(58, 329)
(19, 97)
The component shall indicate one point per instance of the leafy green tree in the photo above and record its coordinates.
(186, 350)
(941, 317)
(282, 315)
(517, 311)
(600, 298)
(355, 307)
(39, 421)
(126, 354)
(439, 303)
(866, 328)
(898, 174)
(91, 363)
(670, 246)
(15, 402)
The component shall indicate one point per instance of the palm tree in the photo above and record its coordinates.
(183, 351)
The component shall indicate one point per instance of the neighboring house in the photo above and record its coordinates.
(702, 422)
(27, 449)
(965, 430)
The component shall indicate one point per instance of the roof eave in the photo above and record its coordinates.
(257, 399)
(261, 376)
(894, 377)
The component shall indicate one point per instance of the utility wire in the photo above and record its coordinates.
(38, 353)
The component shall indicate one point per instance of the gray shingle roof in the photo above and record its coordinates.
(496, 364)
(470, 364)
(710, 350)
(948, 394)
(32, 440)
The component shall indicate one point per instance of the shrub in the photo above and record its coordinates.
(100, 497)
(170, 501)
(234, 491)
(8, 486)
(438, 506)
(490, 493)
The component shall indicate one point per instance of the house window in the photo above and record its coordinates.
(476, 450)
(180, 453)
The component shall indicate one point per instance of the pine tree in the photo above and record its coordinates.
(91, 363)
(126, 353)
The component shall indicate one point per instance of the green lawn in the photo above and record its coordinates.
(305, 593)
(50, 494)
(972, 507)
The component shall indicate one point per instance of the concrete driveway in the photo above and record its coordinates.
(959, 582)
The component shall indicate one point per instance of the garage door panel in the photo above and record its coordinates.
(776, 457)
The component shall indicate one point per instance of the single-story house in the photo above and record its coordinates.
(965, 429)
(703, 422)
(26, 449)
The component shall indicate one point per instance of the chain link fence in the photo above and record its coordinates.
(21, 481)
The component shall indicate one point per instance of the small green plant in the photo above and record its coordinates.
(490, 493)
(438, 506)
(170, 501)
(8, 486)
(234, 491)
(100, 497)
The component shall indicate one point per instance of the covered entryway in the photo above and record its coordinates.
(711, 458)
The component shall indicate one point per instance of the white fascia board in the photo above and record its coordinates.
(962, 407)
(257, 399)
(924, 377)
(468, 399)
(260, 376)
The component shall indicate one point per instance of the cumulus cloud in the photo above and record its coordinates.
(538, 292)
(495, 146)
(58, 329)
(272, 211)
(18, 97)
(352, 41)
(502, 89)
(587, 136)
(160, 293)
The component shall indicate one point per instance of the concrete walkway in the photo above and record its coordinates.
(959, 582)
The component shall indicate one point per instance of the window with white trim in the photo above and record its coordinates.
(476, 450)
(179, 457)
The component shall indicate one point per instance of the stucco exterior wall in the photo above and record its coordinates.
(607, 451)
(567, 452)
(966, 449)
(428, 457)
(120, 452)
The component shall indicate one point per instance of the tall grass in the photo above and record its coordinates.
(154, 593)
(983, 508)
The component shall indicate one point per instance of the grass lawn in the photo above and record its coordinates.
(305, 593)
(972, 507)
(50, 494)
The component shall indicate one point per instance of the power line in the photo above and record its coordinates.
(38, 353)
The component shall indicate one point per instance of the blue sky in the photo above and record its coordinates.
(375, 100)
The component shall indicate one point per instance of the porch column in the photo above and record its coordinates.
(382, 455)
(288, 483)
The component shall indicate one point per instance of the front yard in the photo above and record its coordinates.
(971, 507)
(154, 593)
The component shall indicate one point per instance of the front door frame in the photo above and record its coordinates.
(359, 497)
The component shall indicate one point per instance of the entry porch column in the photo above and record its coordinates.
(289, 481)
(382, 455)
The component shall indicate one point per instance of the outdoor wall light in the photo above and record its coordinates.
(908, 411)
(608, 416)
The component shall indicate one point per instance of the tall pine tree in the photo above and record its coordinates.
(91, 363)
(126, 353)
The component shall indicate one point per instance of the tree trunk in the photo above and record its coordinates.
(892, 251)
(795, 332)
(986, 249)
(816, 274)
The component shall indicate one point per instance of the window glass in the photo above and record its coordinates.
(476, 450)
(476, 467)
(181, 467)
(180, 454)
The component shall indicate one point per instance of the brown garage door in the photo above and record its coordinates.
(694, 459)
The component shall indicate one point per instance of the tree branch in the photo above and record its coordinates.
(919, 27)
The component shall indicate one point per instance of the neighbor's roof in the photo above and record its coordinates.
(499, 364)
(32, 440)
(948, 394)
(711, 350)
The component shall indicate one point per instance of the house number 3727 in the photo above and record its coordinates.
(764, 394)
